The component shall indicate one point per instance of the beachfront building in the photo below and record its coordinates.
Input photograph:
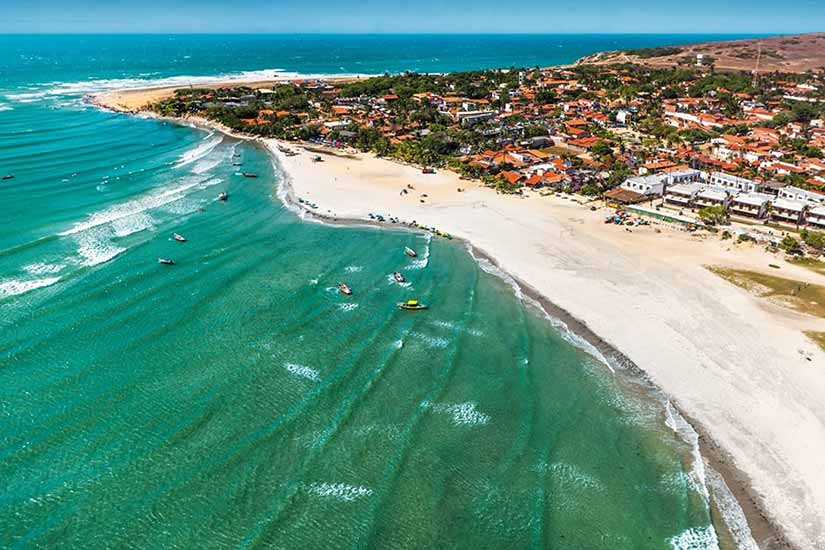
(815, 217)
(788, 211)
(733, 183)
(711, 196)
(682, 195)
(750, 205)
(801, 195)
(649, 186)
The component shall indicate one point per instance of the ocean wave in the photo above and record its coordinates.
(6, 107)
(42, 268)
(136, 206)
(82, 87)
(302, 371)
(462, 414)
(353, 269)
(696, 538)
(199, 151)
(95, 247)
(431, 341)
(347, 306)
(678, 424)
(13, 287)
(339, 491)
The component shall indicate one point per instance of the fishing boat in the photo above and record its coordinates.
(8, 177)
(249, 175)
(410, 252)
(179, 238)
(398, 277)
(165, 261)
(317, 158)
(344, 288)
(223, 196)
(414, 305)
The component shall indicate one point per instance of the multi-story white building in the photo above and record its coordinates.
(750, 205)
(733, 183)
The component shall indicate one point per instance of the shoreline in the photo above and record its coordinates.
(762, 525)
(759, 524)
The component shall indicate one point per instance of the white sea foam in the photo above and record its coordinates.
(347, 306)
(6, 107)
(41, 268)
(731, 511)
(431, 341)
(302, 371)
(463, 414)
(678, 424)
(199, 151)
(13, 287)
(353, 269)
(82, 87)
(339, 491)
(95, 247)
(123, 227)
(696, 538)
(136, 206)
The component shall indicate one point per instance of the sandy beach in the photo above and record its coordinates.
(737, 365)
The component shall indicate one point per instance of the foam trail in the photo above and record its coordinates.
(697, 538)
(302, 371)
(133, 207)
(200, 151)
(14, 287)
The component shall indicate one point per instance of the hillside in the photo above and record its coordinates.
(790, 53)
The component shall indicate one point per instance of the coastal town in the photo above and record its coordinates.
(679, 204)
(737, 151)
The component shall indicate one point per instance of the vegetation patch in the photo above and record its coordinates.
(801, 296)
(818, 337)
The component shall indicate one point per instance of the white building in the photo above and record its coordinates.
(733, 183)
(750, 205)
(682, 194)
(788, 211)
(646, 185)
(816, 217)
(802, 195)
(711, 196)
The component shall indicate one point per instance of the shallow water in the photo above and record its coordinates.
(237, 398)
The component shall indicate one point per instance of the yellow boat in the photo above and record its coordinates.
(411, 304)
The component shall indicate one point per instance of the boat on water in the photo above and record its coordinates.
(237, 164)
(179, 238)
(398, 277)
(8, 177)
(414, 305)
(249, 175)
(410, 252)
(223, 196)
(344, 288)
(166, 261)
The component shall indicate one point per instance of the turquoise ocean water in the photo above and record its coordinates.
(236, 399)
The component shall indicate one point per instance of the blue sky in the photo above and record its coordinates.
(453, 16)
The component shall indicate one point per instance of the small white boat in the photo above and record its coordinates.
(344, 288)
(410, 252)
(179, 238)
(223, 196)
(398, 277)
(165, 261)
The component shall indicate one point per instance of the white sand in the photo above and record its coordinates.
(732, 361)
